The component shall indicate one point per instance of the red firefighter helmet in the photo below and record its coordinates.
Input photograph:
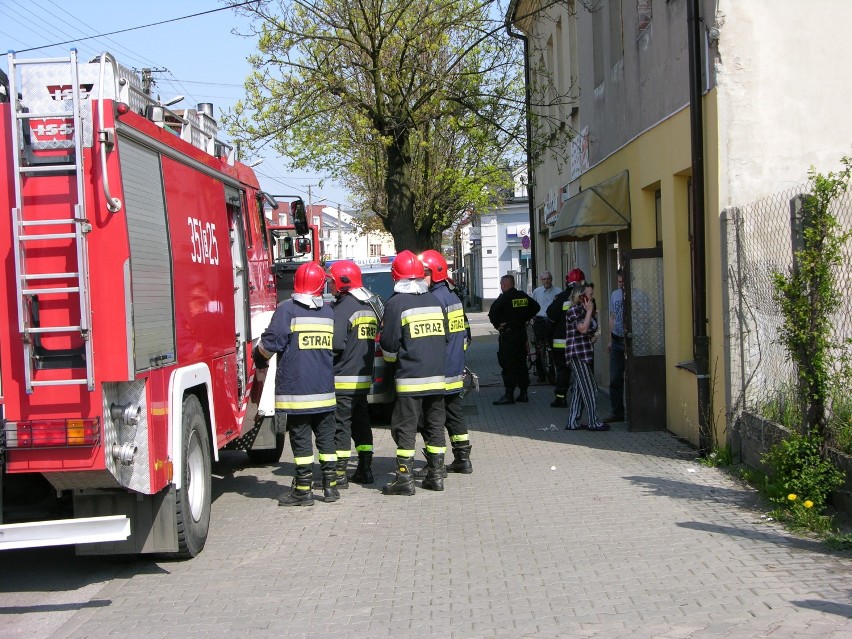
(346, 275)
(574, 275)
(436, 263)
(406, 266)
(309, 279)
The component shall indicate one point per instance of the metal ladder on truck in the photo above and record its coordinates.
(29, 231)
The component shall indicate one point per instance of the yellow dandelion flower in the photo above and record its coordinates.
(808, 503)
(792, 496)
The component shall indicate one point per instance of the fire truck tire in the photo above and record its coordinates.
(192, 506)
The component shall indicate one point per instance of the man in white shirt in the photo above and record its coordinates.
(544, 295)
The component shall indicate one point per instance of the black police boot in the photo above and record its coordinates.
(434, 472)
(559, 402)
(329, 486)
(363, 473)
(461, 460)
(300, 492)
(522, 396)
(508, 398)
(403, 482)
(340, 470)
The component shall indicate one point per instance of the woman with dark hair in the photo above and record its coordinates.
(581, 327)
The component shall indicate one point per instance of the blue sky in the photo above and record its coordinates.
(205, 61)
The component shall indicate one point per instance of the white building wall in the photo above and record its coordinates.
(344, 241)
(783, 93)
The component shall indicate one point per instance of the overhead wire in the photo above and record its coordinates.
(126, 55)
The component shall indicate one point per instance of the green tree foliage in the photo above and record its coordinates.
(417, 106)
(808, 295)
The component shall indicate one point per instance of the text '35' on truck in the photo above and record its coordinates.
(136, 273)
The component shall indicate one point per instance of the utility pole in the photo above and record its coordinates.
(148, 81)
(339, 235)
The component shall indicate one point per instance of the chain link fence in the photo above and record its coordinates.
(760, 238)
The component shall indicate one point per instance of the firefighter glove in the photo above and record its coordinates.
(259, 360)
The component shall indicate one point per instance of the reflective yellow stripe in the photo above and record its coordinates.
(404, 453)
(559, 343)
(293, 403)
(436, 449)
(460, 438)
(304, 461)
(414, 384)
(327, 457)
(352, 382)
(344, 454)
(300, 324)
(364, 448)
(352, 385)
(364, 320)
(389, 357)
(427, 313)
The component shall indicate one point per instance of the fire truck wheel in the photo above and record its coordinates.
(193, 499)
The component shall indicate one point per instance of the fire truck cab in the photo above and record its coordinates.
(137, 275)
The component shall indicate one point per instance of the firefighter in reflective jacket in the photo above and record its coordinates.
(301, 333)
(414, 338)
(354, 345)
(509, 314)
(556, 314)
(459, 337)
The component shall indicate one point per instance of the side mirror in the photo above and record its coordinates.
(300, 217)
(303, 245)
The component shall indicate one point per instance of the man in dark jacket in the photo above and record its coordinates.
(300, 333)
(354, 346)
(556, 314)
(414, 338)
(509, 314)
(459, 337)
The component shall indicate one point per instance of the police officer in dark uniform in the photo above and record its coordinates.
(509, 314)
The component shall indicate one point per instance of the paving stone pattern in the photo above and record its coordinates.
(555, 534)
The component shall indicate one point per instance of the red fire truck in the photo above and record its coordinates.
(136, 273)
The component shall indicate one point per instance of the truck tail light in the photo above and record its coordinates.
(53, 433)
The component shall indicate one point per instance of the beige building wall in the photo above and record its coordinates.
(775, 103)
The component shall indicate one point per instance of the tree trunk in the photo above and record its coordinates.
(400, 197)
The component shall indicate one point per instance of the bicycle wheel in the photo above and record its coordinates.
(550, 366)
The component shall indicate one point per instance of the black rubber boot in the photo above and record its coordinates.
(461, 460)
(329, 486)
(420, 473)
(363, 473)
(508, 398)
(434, 472)
(522, 396)
(559, 402)
(342, 479)
(300, 492)
(423, 471)
(403, 483)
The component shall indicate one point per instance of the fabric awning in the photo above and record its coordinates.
(599, 209)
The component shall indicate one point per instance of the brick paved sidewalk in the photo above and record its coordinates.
(555, 534)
